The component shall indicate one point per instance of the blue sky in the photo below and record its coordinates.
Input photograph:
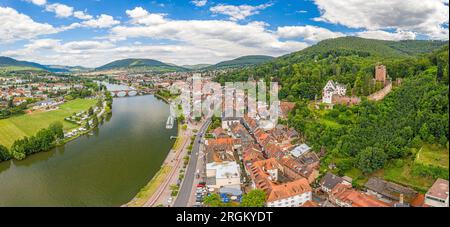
(93, 32)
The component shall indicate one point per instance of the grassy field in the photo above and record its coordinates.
(18, 68)
(147, 192)
(433, 155)
(402, 174)
(401, 171)
(18, 127)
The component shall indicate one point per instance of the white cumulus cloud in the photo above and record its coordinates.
(308, 32)
(383, 35)
(16, 26)
(102, 21)
(82, 15)
(38, 2)
(199, 3)
(60, 10)
(238, 12)
(141, 16)
(426, 17)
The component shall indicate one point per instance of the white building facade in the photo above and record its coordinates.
(332, 88)
(293, 201)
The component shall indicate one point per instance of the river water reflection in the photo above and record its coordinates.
(104, 169)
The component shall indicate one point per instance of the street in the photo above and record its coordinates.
(187, 185)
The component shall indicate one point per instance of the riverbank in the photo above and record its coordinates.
(18, 127)
(156, 184)
(70, 129)
(162, 98)
(106, 168)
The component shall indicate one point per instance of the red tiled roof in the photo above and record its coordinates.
(310, 204)
(276, 191)
(439, 189)
(346, 194)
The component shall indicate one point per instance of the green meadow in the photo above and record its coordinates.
(18, 127)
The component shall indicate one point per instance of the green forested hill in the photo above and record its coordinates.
(386, 135)
(368, 47)
(10, 64)
(373, 138)
(142, 64)
(240, 62)
(348, 60)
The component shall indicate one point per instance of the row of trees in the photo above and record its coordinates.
(255, 198)
(44, 140)
(4, 154)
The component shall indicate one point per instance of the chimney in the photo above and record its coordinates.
(402, 199)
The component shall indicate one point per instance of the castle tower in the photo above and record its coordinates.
(381, 73)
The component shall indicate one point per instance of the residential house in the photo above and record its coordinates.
(223, 174)
(274, 151)
(329, 181)
(390, 191)
(228, 121)
(219, 133)
(310, 159)
(262, 138)
(250, 123)
(250, 155)
(437, 195)
(296, 169)
(284, 135)
(281, 191)
(238, 131)
(300, 150)
(344, 195)
(222, 170)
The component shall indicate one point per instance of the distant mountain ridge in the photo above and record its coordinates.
(10, 62)
(243, 61)
(339, 46)
(144, 64)
(13, 64)
(196, 67)
(372, 47)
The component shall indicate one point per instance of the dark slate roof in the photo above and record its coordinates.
(390, 190)
(330, 180)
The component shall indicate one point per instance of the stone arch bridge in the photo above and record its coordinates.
(124, 93)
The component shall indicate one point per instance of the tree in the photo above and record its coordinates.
(94, 121)
(255, 198)
(371, 159)
(424, 132)
(4, 154)
(99, 103)
(212, 200)
(10, 103)
(181, 118)
(57, 129)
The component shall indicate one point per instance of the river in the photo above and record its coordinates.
(104, 169)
